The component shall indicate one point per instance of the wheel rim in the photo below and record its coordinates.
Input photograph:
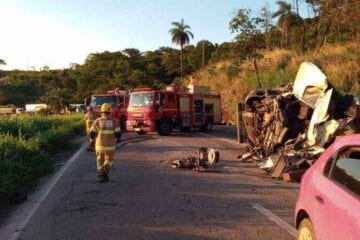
(166, 128)
(305, 234)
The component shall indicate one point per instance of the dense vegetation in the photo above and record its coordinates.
(27, 144)
(282, 36)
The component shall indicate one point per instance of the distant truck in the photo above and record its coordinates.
(77, 107)
(119, 101)
(36, 107)
(164, 110)
(7, 110)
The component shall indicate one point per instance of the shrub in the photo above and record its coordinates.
(27, 143)
(21, 163)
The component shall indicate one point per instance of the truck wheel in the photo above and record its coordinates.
(207, 126)
(141, 132)
(165, 127)
(306, 230)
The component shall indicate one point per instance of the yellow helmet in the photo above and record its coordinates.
(106, 108)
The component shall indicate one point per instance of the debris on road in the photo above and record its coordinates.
(288, 127)
(206, 160)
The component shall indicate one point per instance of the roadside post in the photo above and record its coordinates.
(239, 122)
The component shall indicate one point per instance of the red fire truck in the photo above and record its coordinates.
(164, 110)
(119, 101)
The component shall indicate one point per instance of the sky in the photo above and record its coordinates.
(57, 33)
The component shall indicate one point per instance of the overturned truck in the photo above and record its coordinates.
(290, 126)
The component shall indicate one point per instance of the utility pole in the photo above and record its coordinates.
(239, 123)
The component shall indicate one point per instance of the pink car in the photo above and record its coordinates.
(328, 207)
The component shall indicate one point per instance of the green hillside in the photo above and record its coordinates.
(340, 63)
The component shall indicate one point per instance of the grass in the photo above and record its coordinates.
(27, 143)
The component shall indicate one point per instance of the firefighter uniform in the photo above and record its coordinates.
(90, 117)
(106, 130)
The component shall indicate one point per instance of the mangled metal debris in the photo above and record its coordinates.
(205, 161)
(290, 126)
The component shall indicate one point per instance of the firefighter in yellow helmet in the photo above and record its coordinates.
(90, 117)
(107, 132)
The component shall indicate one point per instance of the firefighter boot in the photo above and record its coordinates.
(105, 170)
(100, 176)
(91, 146)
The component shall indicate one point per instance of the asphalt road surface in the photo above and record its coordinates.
(147, 199)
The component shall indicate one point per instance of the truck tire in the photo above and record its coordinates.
(165, 127)
(213, 156)
(207, 126)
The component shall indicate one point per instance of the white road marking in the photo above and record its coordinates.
(16, 224)
(277, 220)
(20, 218)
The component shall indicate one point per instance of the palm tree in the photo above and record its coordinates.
(285, 15)
(180, 35)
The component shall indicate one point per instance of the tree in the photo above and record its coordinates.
(286, 19)
(266, 22)
(2, 62)
(180, 35)
(225, 51)
(199, 55)
(249, 38)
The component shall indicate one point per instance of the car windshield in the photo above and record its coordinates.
(141, 99)
(97, 101)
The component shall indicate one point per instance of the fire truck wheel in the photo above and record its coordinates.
(141, 132)
(165, 127)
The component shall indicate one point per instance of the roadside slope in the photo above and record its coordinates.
(340, 63)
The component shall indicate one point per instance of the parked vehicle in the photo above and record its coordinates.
(7, 110)
(20, 110)
(36, 108)
(329, 203)
(164, 110)
(77, 107)
(119, 101)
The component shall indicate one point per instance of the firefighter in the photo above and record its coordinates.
(90, 117)
(107, 132)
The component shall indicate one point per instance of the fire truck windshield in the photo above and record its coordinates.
(97, 101)
(141, 99)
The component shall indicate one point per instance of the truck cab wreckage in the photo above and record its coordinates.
(288, 127)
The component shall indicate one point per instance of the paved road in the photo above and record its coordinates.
(224, 132)
(147, 199)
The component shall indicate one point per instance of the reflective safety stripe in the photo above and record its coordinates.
(103, 148)
(117, 129)
(93, 128)
(106, 132)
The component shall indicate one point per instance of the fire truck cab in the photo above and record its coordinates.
(164, 110)
(119, 101)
